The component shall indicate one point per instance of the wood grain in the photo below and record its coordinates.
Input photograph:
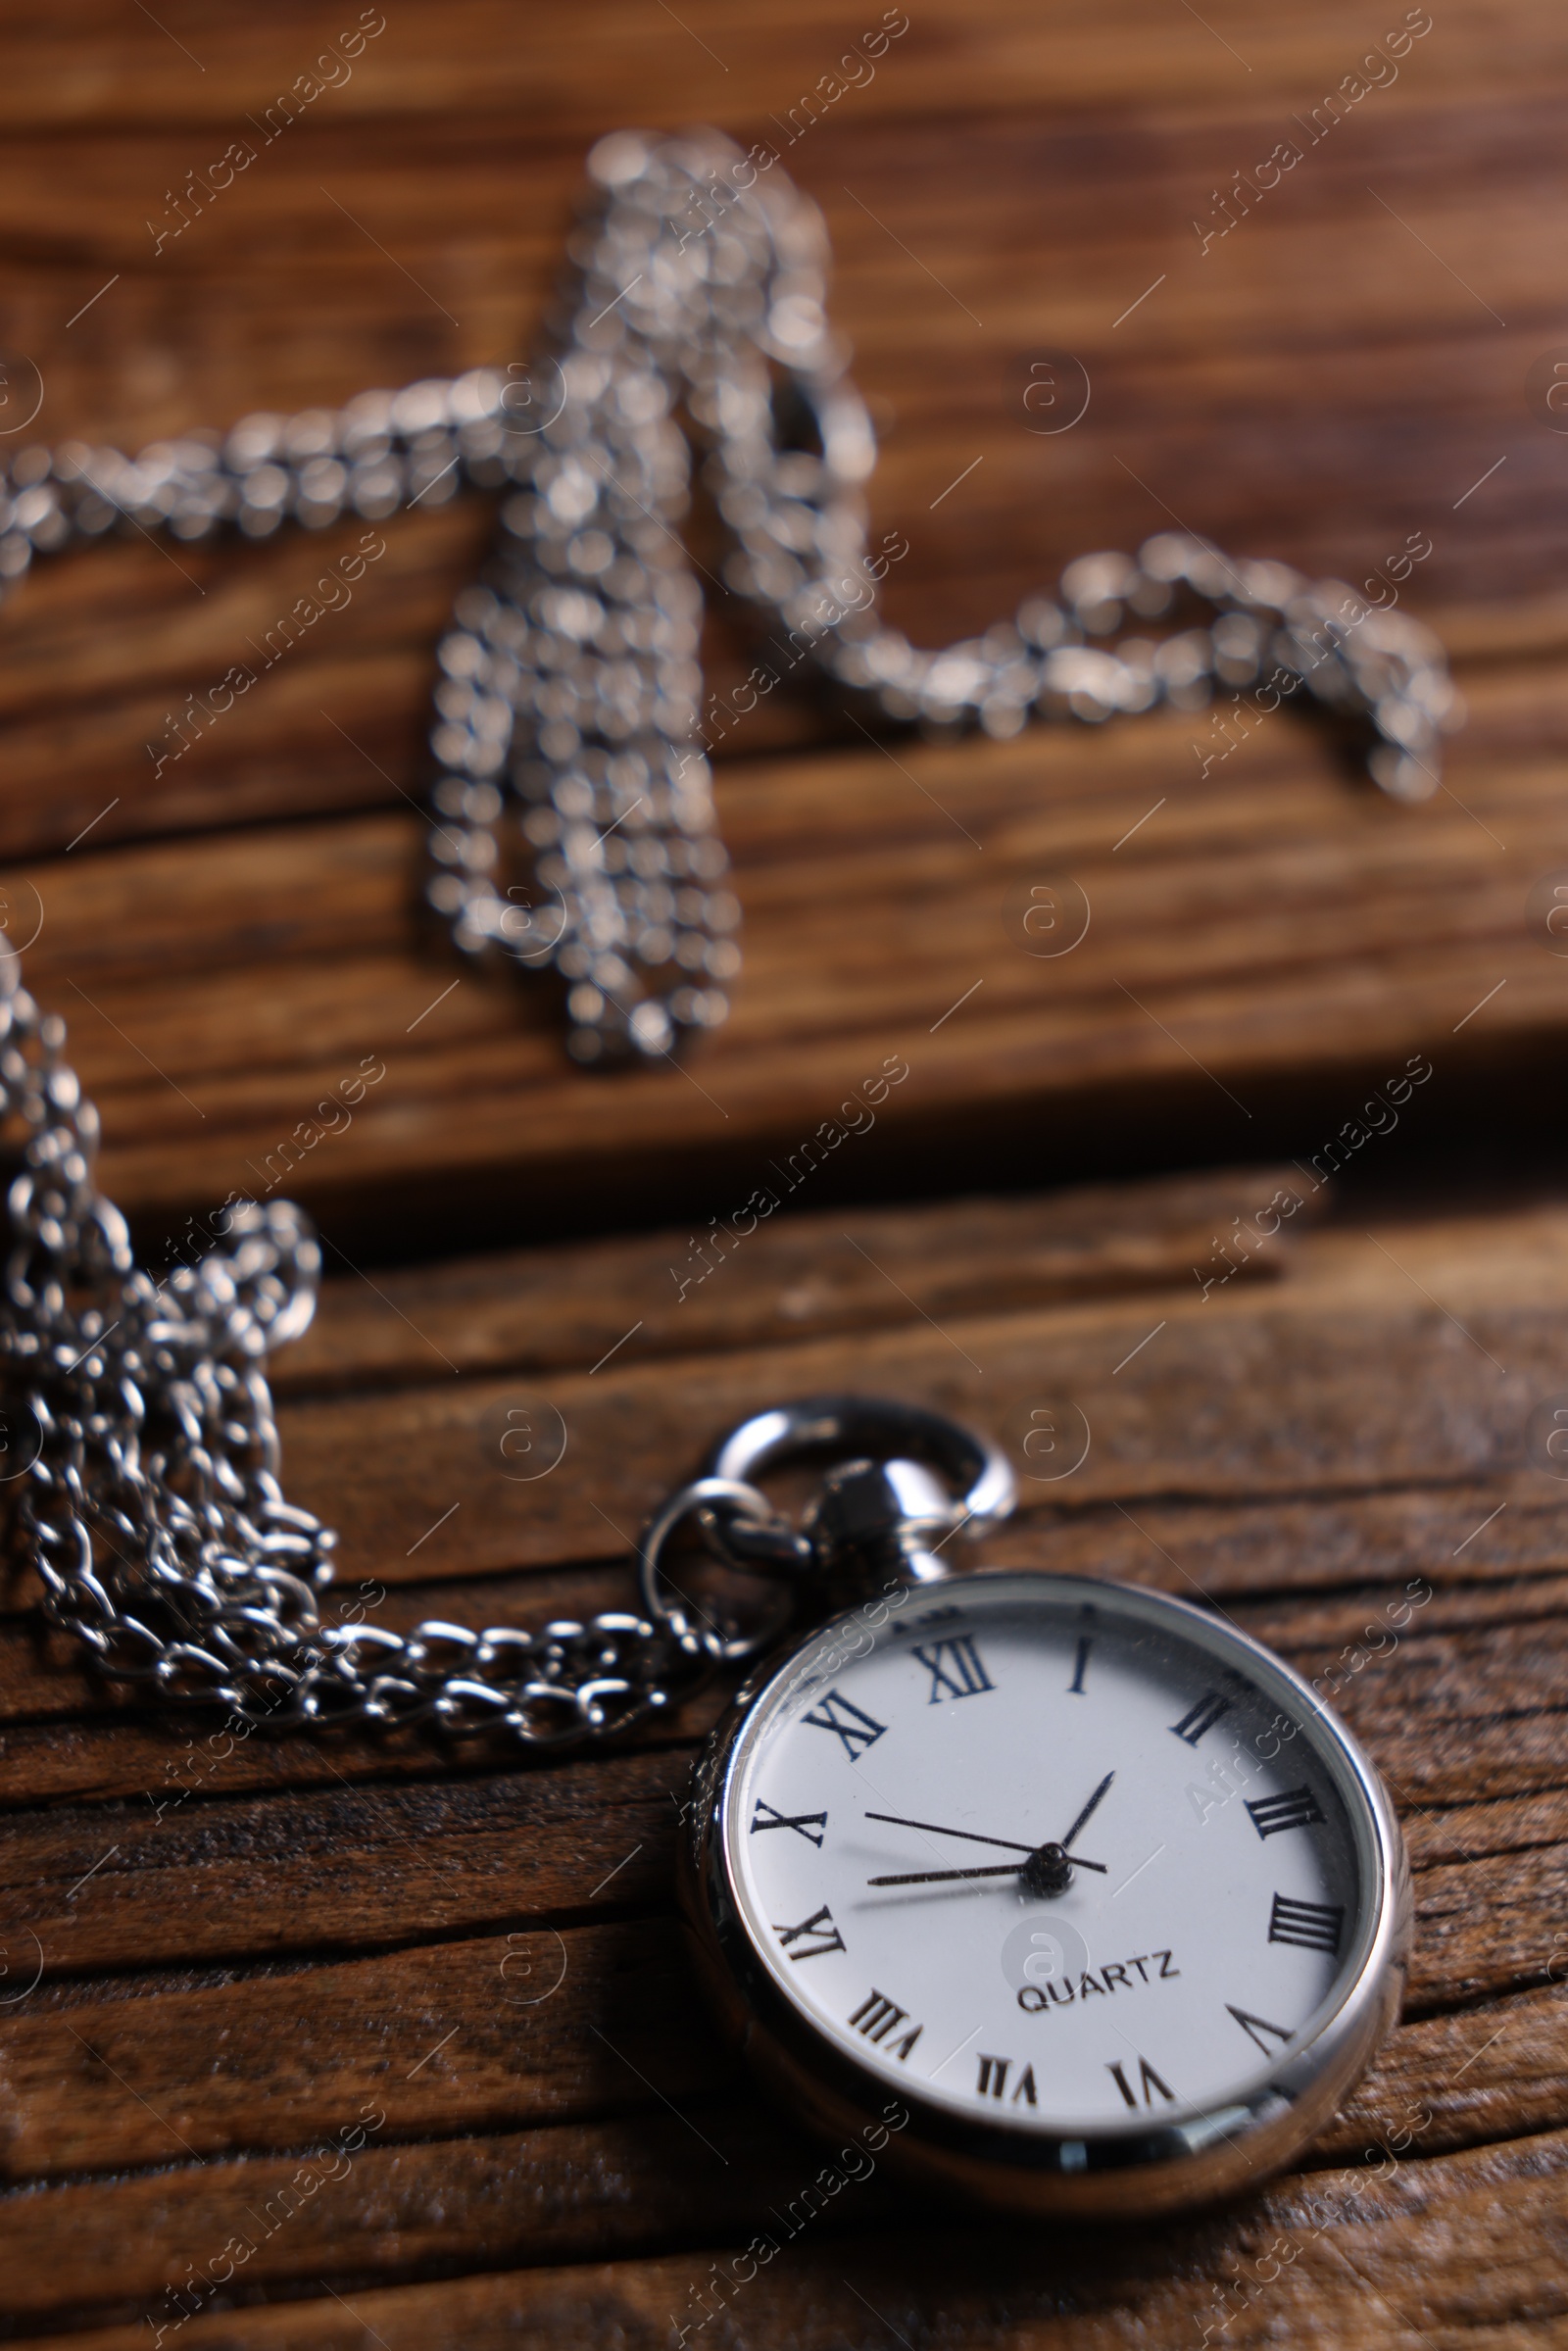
(809, 1274)
(1223, 961)
(1343, 368)
(242, 1948)
(550, 2025)
(222, 1955)
(1453, 2249)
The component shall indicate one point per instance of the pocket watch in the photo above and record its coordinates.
(1081, 1878)
(1078, 1880)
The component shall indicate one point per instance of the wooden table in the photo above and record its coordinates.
(252, 1947)
(223, 1966)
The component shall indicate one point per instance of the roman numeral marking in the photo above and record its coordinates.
(1296, 1808)
(858, 1729)
(994, 2081)
(1314, 1925)
(954, 1669)
(802, 1823)
(1254, 2026)
(819, 1926)
(1202, 1717)
(1148, 2080)
(1075, 1688)
(877, 2017)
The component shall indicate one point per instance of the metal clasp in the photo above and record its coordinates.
(901, 1481)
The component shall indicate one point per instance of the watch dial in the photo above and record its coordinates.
(1062, 1854)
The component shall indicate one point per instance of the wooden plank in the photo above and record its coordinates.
(965, 58)
(541, 2024)
(537, 1309)
(540, 2197)
(1373, 934)
(1463, 1330)
(650, 2175)
(553, 2025)
(250, 2060)
(1462, 2244)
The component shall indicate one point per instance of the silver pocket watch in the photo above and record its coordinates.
(1085, 1880)
(1080, 1878)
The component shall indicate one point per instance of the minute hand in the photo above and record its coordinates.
(1003, 1869)
(1008, 1844)
(1086, 1810)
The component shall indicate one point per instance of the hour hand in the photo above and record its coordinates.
(1003, 1869)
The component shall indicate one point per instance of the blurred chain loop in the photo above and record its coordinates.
(573, 824)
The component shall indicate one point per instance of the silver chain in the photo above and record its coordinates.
(572, 817)
(140, 1444)
(143, 1458)
(573, 829)
(142, 1454)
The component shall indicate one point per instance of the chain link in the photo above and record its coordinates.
(148, 1502)
(572, 825)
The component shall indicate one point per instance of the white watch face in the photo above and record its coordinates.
(1059, 1854)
